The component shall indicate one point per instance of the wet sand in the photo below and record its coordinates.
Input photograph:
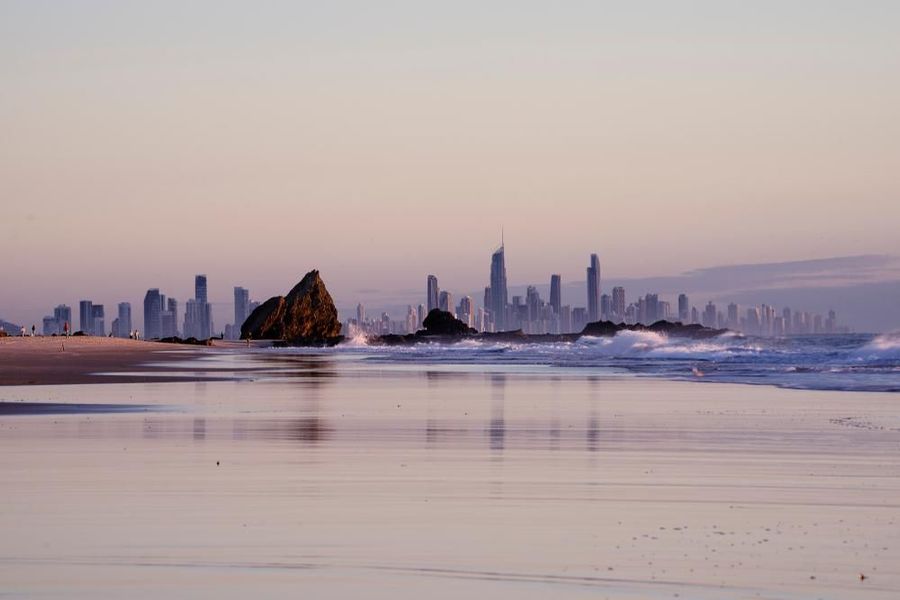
(333, 478)
(60, 360)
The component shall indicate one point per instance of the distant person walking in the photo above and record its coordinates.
(22, 333)
(66, 328)
(32, 330)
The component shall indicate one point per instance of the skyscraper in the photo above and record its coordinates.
(684, 309)
(618, 304)
(433, 293)
(499, 291)
(556, 292)
(241, 306)
(605, 306)
(86, 316)
(445, 302)
(152, 314)
(124, 326)
(464, 312)
(593, 289)
(200, 289)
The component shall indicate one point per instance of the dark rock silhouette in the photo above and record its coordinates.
(448, 330)
(439, 322)
(306, 316)
(608, 328)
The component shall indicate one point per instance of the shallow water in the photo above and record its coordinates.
(335, 476)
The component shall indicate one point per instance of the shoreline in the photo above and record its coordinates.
(74, 360)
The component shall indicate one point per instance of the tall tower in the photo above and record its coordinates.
(200, 289)
(556, 293)
(433, 293)
(684, 308)
(593, 289)
(152, 314)
(499, 292)
(241, 305)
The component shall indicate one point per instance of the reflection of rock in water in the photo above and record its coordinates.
(305, 429)
(199, 429)
(497, 428)
(593, 433)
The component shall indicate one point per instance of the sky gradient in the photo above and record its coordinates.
(141, 143)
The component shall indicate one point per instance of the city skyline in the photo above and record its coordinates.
(571, 292)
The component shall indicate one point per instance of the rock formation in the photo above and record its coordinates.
(306, 316)
(439, 322)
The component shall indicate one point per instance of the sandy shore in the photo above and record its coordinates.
(58, 360)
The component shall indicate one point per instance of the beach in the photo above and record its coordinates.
(68, 360)
(332, 476)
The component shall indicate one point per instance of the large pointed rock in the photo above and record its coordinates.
(307, 315)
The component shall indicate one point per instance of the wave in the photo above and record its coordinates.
(840, 362)
(885, 347)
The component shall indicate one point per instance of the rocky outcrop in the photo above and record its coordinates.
(443, 330)
(608, 329)
(306, 316)
(439, 322)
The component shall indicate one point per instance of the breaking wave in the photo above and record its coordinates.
(857, 362)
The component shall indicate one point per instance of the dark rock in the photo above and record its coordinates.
(306, 316)
(439, 322)
(191, 341)
(609, 329)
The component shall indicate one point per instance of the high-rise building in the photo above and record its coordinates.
(464, 311)
(432, 293)
(695, 315)
(733, 321)
(605, 307)
(200, 289)
(593, 289)
(618, 304)
(420, 316)
(533, 304)
(152, 314)
(86, 316)
(445, 302)
(241, 306)
(684, 308)
(556, 292)
(123, 327)
(499, 291)
(651, 309)
(360, 313)
(411, 318)
(168, 319)
(663, 310)
(63, 315)
(710, 315)
(99, 324)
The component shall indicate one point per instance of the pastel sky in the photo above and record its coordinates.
(144, 142)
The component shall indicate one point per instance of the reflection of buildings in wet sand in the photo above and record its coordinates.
(497, 427)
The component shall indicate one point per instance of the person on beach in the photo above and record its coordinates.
(66, 328)
(22, 333)
(32, 330)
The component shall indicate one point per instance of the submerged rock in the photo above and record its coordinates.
(306, 316)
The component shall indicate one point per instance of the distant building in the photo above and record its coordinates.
(432, 293)
(593, 289)
(241, 307)
(98, 325)
(605, 307)
(710, 315)
(464, 311)
(445, 302)
(618, 304)
(123, 320)
(499, 292)
(556, 293)
(684, 309)
(86, 316)
(152, 314)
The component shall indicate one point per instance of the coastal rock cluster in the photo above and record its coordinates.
(443, 327)
(306, 316)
